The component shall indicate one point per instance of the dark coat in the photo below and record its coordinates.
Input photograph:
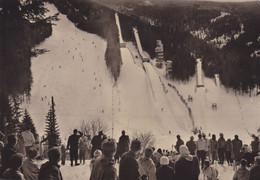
(96, 142)
(6, 154)
(165, 173)
(50, 171)
(103, 169)
(123, 144)
(191, 146)
(237, 145)
(73, 141)
(254, 173)
(13, 174)
(187, 170)
(128, 168)
(178, 144)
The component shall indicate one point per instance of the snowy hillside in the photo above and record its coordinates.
(75, 73)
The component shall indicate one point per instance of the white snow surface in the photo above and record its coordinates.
(75, 73)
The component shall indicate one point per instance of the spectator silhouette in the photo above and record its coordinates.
(28, 139)
(254, 173)
(14, 172)
(51, 169)
(165, 172)
(52, 139)
(147, 168)
(123, 144)
(30, 167)
(191, 145)
(178, 143)
(7, 151)
(97, 142)
(73, 145)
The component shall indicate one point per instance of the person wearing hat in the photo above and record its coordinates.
(254, 173)
(123, 144)
(104, 166)
(30, 167)
(187, 167)
(191, 145)
(97, 142)
(51, 169)
(242, 173)
(210, 171)
(128, 168)
(14, 172)
(165, 172)
(97, 154)
(146, 166)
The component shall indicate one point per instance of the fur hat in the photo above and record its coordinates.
(109, 145)
(97, 153)
(148, 152)
(135, 145)
(164, 160)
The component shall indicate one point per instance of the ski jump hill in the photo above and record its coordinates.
(74, 72)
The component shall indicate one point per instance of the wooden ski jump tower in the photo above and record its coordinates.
(139, 46)
(199, 73)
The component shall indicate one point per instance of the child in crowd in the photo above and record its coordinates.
(30, 167)
(97, 153)
(210, 171)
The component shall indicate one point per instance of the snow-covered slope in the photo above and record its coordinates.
(75, 73)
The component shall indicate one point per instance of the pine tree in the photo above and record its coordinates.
(27, 121)
(52, 126)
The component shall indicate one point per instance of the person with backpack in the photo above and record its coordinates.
(147, 168)
(221, 148)
(210, 171)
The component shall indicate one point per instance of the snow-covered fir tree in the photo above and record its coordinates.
(27, 121)
(52, 126)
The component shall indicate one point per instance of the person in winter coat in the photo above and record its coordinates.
(187, 167)
(104, 166)
(213, 148)
(73, 144)
(178, 143)
(237, 145)
(207, 143)
(30, 167)
(7, 151)
(210, 171)
(83, 147)
(97, 154)
(228, 150)
(97, 142)
(123, 144)
(28, 139)
(165, 172)
(191, 145)
(51, 169)
(254, 173)
(247, 154)
(52, 139)
(255, 145)
(128, 167)
(158, 156)
(14, 172)
(147, 168)
(242, 173)
(201, 149)
(221, 148)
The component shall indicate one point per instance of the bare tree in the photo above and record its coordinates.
(92, 126)
(147, 138)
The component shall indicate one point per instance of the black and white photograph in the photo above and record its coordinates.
(130, 89)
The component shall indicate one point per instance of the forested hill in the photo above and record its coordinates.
(225, 35)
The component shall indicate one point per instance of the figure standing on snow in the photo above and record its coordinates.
(236, 146)
(201, 146)
(242, 173)
(28, 139)
(97, 142)
(228, 151)
(73, 145)
(178, 143)
(254, 173)
(123, 144)
(128, 168)
(83, 147)
(221, 148)
(104, 166)
(255, 146)
(52, 139)
(191, 145)
(213, 148)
